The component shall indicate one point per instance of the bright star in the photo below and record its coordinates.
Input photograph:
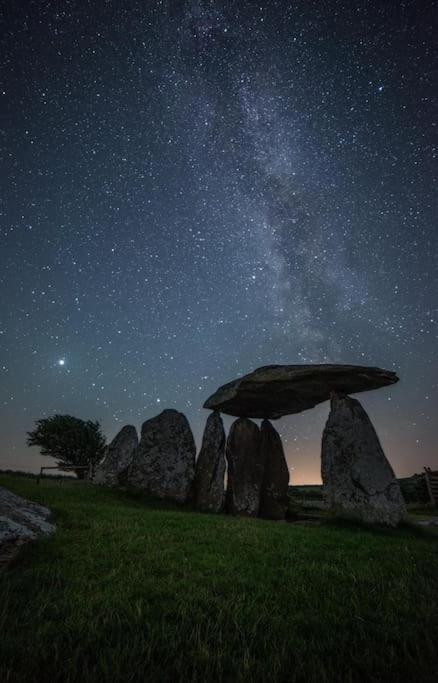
(61, 361)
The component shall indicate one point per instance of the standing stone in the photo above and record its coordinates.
(273, 501)
(358, 480)
(245, 468)
(210, 466)
(112, 470)
(164, 462)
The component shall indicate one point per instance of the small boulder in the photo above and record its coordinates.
(358, 480)
(112, 470)
(245, 468)
(164, 462)
(273, 500)
(210, 466)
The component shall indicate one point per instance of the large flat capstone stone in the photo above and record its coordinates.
(276, 390)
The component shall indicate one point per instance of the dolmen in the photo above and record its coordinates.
(358, 481)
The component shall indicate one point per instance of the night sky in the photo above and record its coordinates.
(193, 189)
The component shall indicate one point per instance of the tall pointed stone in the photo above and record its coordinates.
(273, 501)
(210, 466)
(164, 462)
(358, 480)
(245, 468)
(112, 470)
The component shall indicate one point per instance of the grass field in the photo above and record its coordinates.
(129, 589)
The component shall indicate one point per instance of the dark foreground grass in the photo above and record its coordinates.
(130, 590)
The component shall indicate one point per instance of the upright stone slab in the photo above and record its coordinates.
(210, 466)
(112, 470)
(164, 462)
(245, 468)
(273, 500)
(358, 480)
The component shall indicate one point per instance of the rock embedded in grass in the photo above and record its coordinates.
(21, 521)
(273, 499)
(112, 470)
(245, 468)
(164, 462)
(210, 467)
(358, 480)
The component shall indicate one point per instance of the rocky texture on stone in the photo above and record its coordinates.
(112, 470)
(210, 466)
(164, 462)
(276, 390)
(273, 499)
(245, 468)
(21, 521)
(358, 480)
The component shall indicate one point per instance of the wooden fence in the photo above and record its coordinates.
(65, 468)
(432, 484)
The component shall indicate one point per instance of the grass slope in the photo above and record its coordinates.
(131, 590)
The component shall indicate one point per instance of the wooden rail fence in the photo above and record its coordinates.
(432, 484)
(64, 468)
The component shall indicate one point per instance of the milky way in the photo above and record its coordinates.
(195, 189)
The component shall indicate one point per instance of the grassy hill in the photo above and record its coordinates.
(129, 589)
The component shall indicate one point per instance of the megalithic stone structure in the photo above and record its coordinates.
(358, 480)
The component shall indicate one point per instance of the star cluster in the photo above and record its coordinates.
(194, 189)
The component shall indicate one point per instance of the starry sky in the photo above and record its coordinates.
(192, 189)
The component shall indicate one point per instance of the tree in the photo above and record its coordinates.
(69, 440)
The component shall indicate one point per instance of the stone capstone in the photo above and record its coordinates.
(164, 462)
(358, 481)
(210, 466)
(276, 390)
(112, 470)
(274, 499)
(21, 520)
(245, 468)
